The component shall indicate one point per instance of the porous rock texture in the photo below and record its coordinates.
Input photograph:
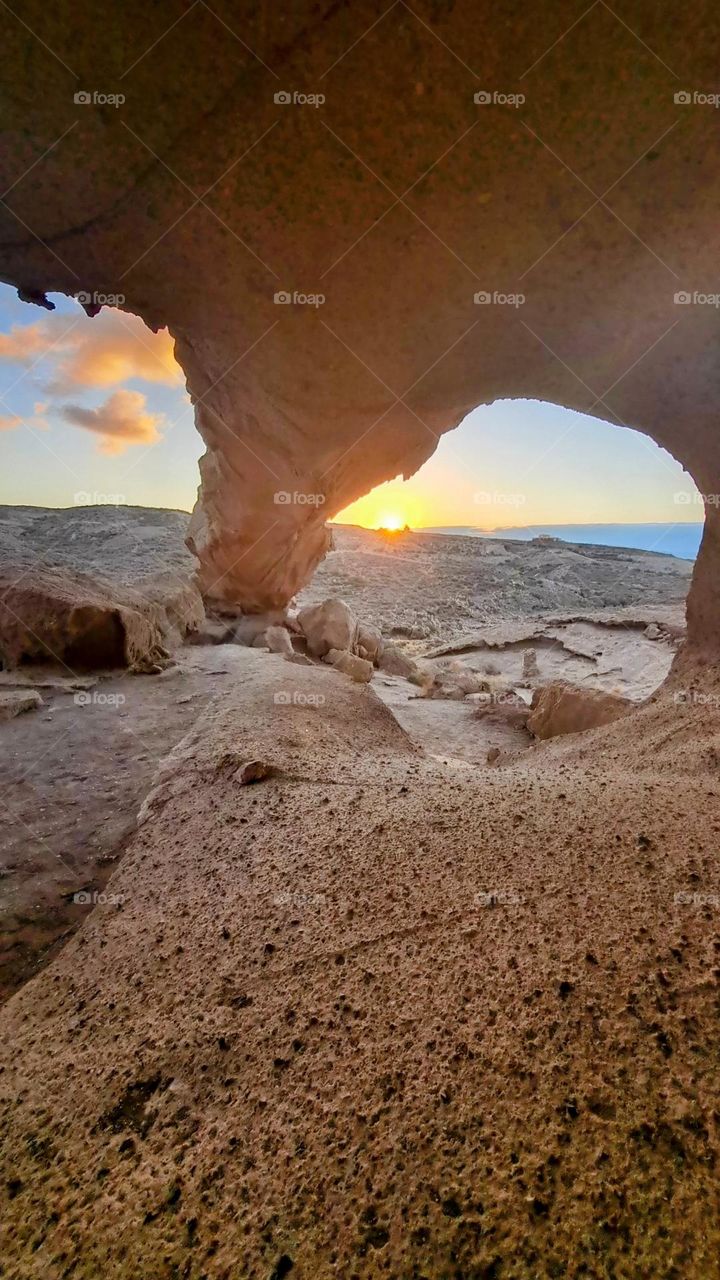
(317, 261)
(372, 1017)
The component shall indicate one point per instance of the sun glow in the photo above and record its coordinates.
(392, 522)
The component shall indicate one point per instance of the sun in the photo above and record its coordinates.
(393, 523)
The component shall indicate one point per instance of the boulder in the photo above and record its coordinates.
(326, 626)
(455, 683)
(278, 640)
(359, 669)
(15, 701)
(251, 627)
(54, 614)
(560, 708)
(396, 663)
(369, 642)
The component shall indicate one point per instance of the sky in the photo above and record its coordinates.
(95, 410)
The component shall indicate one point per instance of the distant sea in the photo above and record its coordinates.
(681, 540)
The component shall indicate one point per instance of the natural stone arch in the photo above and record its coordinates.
(398, 200)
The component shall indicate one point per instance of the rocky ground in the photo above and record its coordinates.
(439, 588)
(360, 977)
(77, 769)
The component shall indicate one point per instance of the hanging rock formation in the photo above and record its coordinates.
(356, 232)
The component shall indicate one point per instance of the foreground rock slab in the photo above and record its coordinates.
(412, 984)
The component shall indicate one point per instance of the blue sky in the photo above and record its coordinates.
(98, 408)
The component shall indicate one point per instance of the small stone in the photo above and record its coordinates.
(254, 771)
(652, 632)
(493, 754)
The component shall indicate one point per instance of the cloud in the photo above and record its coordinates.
(120, 422)
(24, 342)
(101, 352)
(112, 348)
(9, 422)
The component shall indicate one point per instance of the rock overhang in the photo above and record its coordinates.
(437, 252)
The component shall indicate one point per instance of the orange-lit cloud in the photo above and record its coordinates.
(9, 422)
(98, 353)
(24, 342)
(113, 348)
(120, 422)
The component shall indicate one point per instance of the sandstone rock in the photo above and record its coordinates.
(652, 632)
(278, 640)
(455, 683)
(51, 614)
(330, 625)
(560, 708)
(14, 702)
(530, 667)
(369, 642)
(396, 663)
(359, 669)
(254, 771)
(251, 627)
(282, 433)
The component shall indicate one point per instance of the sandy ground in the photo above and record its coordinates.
(379, 1016)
